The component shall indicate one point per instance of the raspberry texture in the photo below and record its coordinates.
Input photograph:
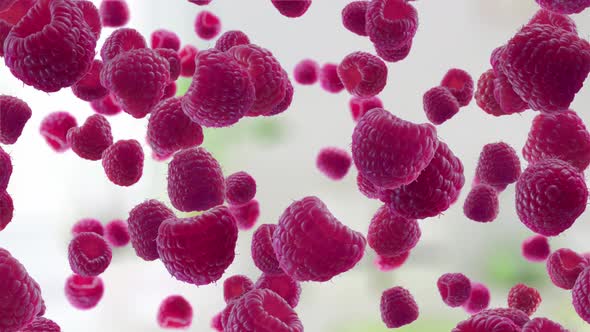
(368, 189)
(557, 20)
(121, 41)
(187, 56)
(207, 25)
(481, 204)
(91, 16)
(498, 165)
(143, 223)
(5, 169)
(163, 38)
(454, 289)
(123, 162)
(440, 105)
(581, 295)
(91, 139)
(55, 127)
(175, 312)
(329, 79)
(282, 285)
(363, 74)
(518, 317)
(16, 11)
(246, 215)
(398, 307)
(564, 7)
(484, 95)
(460, 84)
(173, 60)
(263, 254)
(116, 233)
(536, 248)
(216, 323)
(360, 106)
(230, 39)
(89, 88)
(508, 100)
(312, 245)
(487, 323)
(6, 209)
(285, 103)
(6, 4)
(524, 298)
(479, 299)
(353, 17)
(392, 235)
(564, 266)
(41, 324)
(292, 8)
(14, 114)
(114, 13)
(394, 54)
(240, 188)
(541, 324)
(391, 24)
(169, 91)
(87, 225)
(306, 72)
(106, 106)
(236, 286)
(89, 254)
(333, 162)
(386, 264)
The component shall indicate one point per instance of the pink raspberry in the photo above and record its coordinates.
(518, 317)
(498, 165)
(482, 203)
(524, 298)
(123, 162)
(16, 11)
(114, 13)
(84, 292)
(163, 38)
(169, 91)
(175, 312)
(91, 139)
(454, 288)
(360, 106)
(230, 39)
(440, 105)
(240, 188)
(546, 66)
(6, 4)
(394, 54)
(306, 72)
(54, 128)
(207, 25)
(581, 295)
(89, 254)
(221, 91)
(353, 17)
(387, 264)
(200, 2)
(5, 169)
(536, 248)
(487, 323)
(6, 209)
(187, 56)
(88, 88)
(389, 151)
(333, 162)
(479, 299)
(564, 7)
(282, 285)
(14, 114)
(391, 23)
(368, 189)
(564, 266)
(398, 307)
(143, 223)
(216, 323)
(263, 254)
(460, 84)
(391, 234)
(116, 233)
(508, 100)
(312, 245)
(91, 16)
(5, 28)
(173, 60)
(563, 136)
(496, 59)
(285, 103)
(121, 41)
(106, 106)
(557, 20)
(329, 79)
(292, 8)
(262, 310)
(195, 181)
(199, 249)
(87, 225)
(550, 196)
(363, 74)
(246, 215)
(41, 324)
(543, 325)
(484, 95)
(236, 286)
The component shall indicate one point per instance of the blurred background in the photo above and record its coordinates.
(52, 191)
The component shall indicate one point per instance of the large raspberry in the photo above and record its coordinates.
(144, 221)
(292, 8)
(123, 162)
(236, 286)
(230, 39)
(333, 162)
(114, 13)
(363, 74)
(163, 38)
(306, 72)
(498, 165)
(263, 254)
(564, 7)
(439, 105)
(391, 23)
(207, 25)
(88, 88)
(312, 245)
(199, 249)
(581, 295)
(536, 248)
(175, 312)
(6, 209)
(516, 316)
(87, 225)
(524, 298)
(557, 20)
(541, 324)
(481, 204)
(240, 188)
(246, 215)
(391, 234)
(354, 17)
(5, 169)
(121, 41)
(41, 324)
(389, 151)
(454, 288)
(564, 266)
(89, 254)
(487, 323)
(84, 292)
(398, 307)
(91, 139)
(14, 114)
(283, 285)
(329, 79)
(479, 299)
(360, 106)
(460, 84)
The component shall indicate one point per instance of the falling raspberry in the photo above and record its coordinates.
(557, 20)
(543, 325)
(329, 79)
(207, 25)
(246, 215)
(187, 56)
(41, 324)
(88, 88)
(391, 23)
(87, 225)
(175, 312)
(306, 72)
(263, 254)
(173, 60)
(581, 295)
(89, 254)
(292, 8)
(14, 114)
(360, 106)
(482, 204)
(106, 106)
(394, 54)
(334, 162)
(116, 233)
(230, 39)
(121, 41)
(454, 288)
(536, 248)
(484, 95)
(564, 266)
(353, 17)
(236, 286)
(524, 298)
(6, 209)
(398, 307)
(460, 84)
(440, 105)
(240, 188)
(486, 323)
(91, 16)
(479, 299)
(54, 128)
(498, 165)
(564, 7)
(114, 13)
(362, 74)
(163, 38)
(392, 235)
(143, 223)
(91, 139)
(5, 169)
(123, 162)
(282, 285)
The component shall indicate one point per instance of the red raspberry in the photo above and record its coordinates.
(123, 162)
(170, 130)
(16, 11)
(496, 60)
(106, 105)
(581, 295)
(225, 313)
(367, 188)
(116, 233)
(91, 16)
(564, 266)
(114, 13)
(200, 2)
(508, 100)
(84, 292)
(389, 151)
(333, 162)
(285, 103)
(89, 254)
(221, 91)
(236, 286)
(173, 60)
(207, 25)
(195, 181)
(240, 188)
(88, 88)
(498, 165)
(543, 325)
(5, 28)
(91, 139)
(263, 254)
(394, 54)
(121, 41)
(41, 324)
(524, 298)
(216, 323)
(175, 312)
(169, 91)
(54, 129)
(5, 169)
(199, 249)
(391, 23)
(387, 264)
(479, 299)
(312, 245)
(391, 234)
(14, 114)
(6, 209)
(283, 285)
(439, 105)
(481, 204)
(353, 17)
(6, 4)
(484, 95)
(329, 80)
(87, 225)
(398, 307)
(163, 38)
(187, 56)
(518, 317)
(454, 288)
(536, 248)
(487, 323)
(292, 8)
(360, 106)
(550, 196)
(563, 136)
(363, 74)
(230, 39)
(557, 20)
(546, 66)
(143, 222)
(262, 310)
(564, 7)
(306, 72)
(246, 215)
(460, 84)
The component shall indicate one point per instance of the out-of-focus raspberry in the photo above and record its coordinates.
(498, 165)
(236, 286)
(116, 233)
(484, 95)
(386, 264)
(394, 54)
(440, 105)
(564, 266)
(163, 38)
(564, 7)
(454, 288)
(216, 323)
(246, 215)
(479, 299)
(230, 39)
(199, 249)
(121, 41)
(88, 88)
(508, 100)
(106, 105)
(123, 162)
(283, 285)
(175, 312)
(207, 25)
(14, 114)
(518, 317)
(55, 127)
(5, 169)
(263, 254)
(392, 235)
(200, 2)
(169, 91)
(360, 106)
(486, 323)
(91, 139)
(541, 324)
(312, 245)
(187, 56)
(87, 225)
(333, 162)
(363, 74)
(524, 298)
(536, 248)
(173, 62)
(353, 17)
(91, 16)
(143, 223)
(329, 80)
(6, 209)
(460, 84)
(41, 324)
(306, 72)
(84, 293)
(240, 188)
(89, 254)
(285, 103)
(398, 307)
(557, 20)
(482, 203)
(114, 13)
(581, 295)
(292, 8)
(391, 23)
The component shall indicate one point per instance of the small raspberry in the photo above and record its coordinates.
(482, 203)
(163, 38)
(454, 288)
(329, 80)
(460, 84)
(398, 307)
(246, 215)
(143, 222)
(557, 20)
(387, 264)
(88, 88)
(87, 225)
(486, 323)
(333, 162)
(479, 299)
(285, 103)
(84, 292)
(306, 72)
(41, 324)
(106, 106)
(55, 127)
(116, 233)
(263, 254)
(440, 105)
(543, 325)
(484, 95)
(391, 234)
(173, 60)
(581, 295)
(518, 317)
(363, 74)
(91, 139)
(508, 100)
(240, 188)
(498, 165)
(394, 54)
(353, 17)
(123, 162)
(114, 13)
(91, 16)
(207, 25)
(524, 298)
(230, 39)
(187, 56)
(89, 254)
(14, 114)
(175, 312)
(564, 7)
(391, 23)
(536, 248)
(6, 209)
(5, 169)
(564, 266)
(282, 285)
(236, 286)
(292, 8)
(121, 41)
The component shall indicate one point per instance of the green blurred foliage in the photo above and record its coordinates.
(507, 269)
(421, 325)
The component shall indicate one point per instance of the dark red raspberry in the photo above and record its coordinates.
(484, 95)
(91, 16)
(329, 80)
(199, 249)
(143, 222)
(14, 114)
(106, 105)
(41, 324)
(543, 325)
(91, 139)
(207, 25)
(173, 62)
(216, 323)
(84, 292)
(524, 298)
(121, 41)
(496, 59)
(440, 105)
(55, 127)
(391, 23)
(557, 20)
(353, 17)
(236, 286)
(89, 254)
(479, 299)
(363, 74)
(391, 234)
(292, 8)
(263, 254)
(195, 181)
(240, 188)
(518, 317)
(508, 100)
(306, 72)
(5, 169)
(482, 203)
(389, 151)
(536, 248)
(262, 310)
(333, 162)
(563, 136)
(564, 7)
(486, 323)
(312, 245)
(285, 103)
(246, 215)
(225, 313)
(283, 285)
(5, 28)
(187, 56)
(88, 88)
(163, 38)
(116, 233)
(550, 195)
(546, 66)
(460, 84)
(16, 11)
(398, 307)
(6, 209)
(87, 225)
(387, 264)
(360, 106)
(123, 162)
(200, 2)
(581, 295)
(394, 54)
(169, 91)
(175, 312)
(114, 13)
(454, 288)
(230, 39)
(498, 165)
(221, 91)
(564, 266)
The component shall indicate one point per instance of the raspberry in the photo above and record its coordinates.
(363, 74)
(195, 181)
(5, 169)
(143, 222)
(89, 254)
(262, 310)
(391, 234)
(506, 97)
(230, 39)
(16, 11)
(207, 25)
(137, 80)
(543, 325)
(163, 38)
(121, 41)
(333, 162)
(563, 136)
(170, 130)
(200, 2)
(6, 4)
(106, 105)
(263, 254)
(564, 7)
(518, 317)
(173, 60)
(221, 91)
(484, 95)
(496, 60)
(564, 266)
(581, 295)
(236, 286)
(87, 225)
(292, 8)
(557, 20)
(524, 298)
(246, 215)
(460, 84)
(550, 196)
(398, 307)
(14, 114)
(353, 17)
(479, 299)
(387, 264)
(169, 91)
(389, 151)
(88, 88)
(187, 56)
(536, 248)
(435, 189)
(312, 245)
(285, 103)
(114, 13)
(54, 128)
(546, 66)
(84, 292)
(216, 323)
(329, 79)
(4, 30)
(225, 313)
(199, 249)
(282, 285)
(6, 209)
(123, 162)
(482, 203)
(91, 16)
(116, 233)
(454, 288)
(360, 106)
(391, 23)
(394, 54)
(487, 323)
(306, 72)
(367, 188)
(41, 324)
(439, 105)
(240, 188)
(91, 139)
(175, 312)
(498, 165)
